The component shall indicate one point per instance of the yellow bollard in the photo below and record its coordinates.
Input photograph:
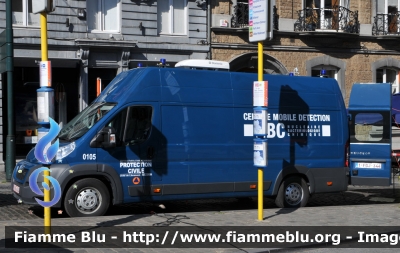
(260, 170)
(43, 40)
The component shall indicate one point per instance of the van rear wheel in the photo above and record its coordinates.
(292, 193)
(87, 197)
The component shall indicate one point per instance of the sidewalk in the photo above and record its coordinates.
(384, 212)
(4, 185)
(363, 215)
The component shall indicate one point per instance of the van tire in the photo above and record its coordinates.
(292, 193)
(87, 197)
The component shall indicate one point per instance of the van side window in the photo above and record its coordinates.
(118, 124)
(368, 127)
(138, 124)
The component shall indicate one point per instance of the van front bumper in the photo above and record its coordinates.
(24, 194)
(20, 184)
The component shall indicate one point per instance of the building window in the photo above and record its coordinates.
(103, 15)
(388, 13)
(172, 17)
(326, 4)
(368, 127)
(132, 125)
(327, 12)
(22, 14)
(324, 71)
(387, 75)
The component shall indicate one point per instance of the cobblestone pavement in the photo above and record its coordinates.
(345, 215)
(356, 195)
(360, 206)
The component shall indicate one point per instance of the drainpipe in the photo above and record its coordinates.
(209, 29)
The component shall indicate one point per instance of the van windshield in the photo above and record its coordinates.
(85, 120)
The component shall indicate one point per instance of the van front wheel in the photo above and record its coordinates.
(87, 197)
(292, 193)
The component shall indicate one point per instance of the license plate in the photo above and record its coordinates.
(16, 188)
(368, 165)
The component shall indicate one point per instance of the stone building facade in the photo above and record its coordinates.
(349, 40)
(369, 52)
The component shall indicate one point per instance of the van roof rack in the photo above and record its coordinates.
(203, 64)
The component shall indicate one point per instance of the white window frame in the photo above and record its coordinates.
(395, 84)
(344, 3)
(385, 12)
(386, 6)
(25, 16)
(100, 18)
(171, 19)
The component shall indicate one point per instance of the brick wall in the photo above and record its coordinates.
(221, 7)
(288, 8)
(364, 10)
(358, 64)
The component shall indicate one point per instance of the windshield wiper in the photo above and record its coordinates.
(64, 139)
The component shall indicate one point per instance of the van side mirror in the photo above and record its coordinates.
(105, 138)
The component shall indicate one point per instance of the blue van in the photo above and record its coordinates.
(157, 134)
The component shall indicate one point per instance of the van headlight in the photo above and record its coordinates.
(65, 150)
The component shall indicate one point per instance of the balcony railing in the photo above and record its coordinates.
(386, 24)
(339, 19)
(240, 16)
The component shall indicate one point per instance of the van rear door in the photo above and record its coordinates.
(370, 134)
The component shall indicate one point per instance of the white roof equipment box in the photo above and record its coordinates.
(203, 64)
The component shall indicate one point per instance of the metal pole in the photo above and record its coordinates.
(10, 140)
(260, 170)
(43, 35)
(43, 40)
(98, 88)
(209, 30)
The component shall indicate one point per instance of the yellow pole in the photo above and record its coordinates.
(260, 62)
(43, 41)
(43, 35)
(260, 170)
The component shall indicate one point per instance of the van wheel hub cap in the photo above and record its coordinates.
(293, 194)
(88, 200)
